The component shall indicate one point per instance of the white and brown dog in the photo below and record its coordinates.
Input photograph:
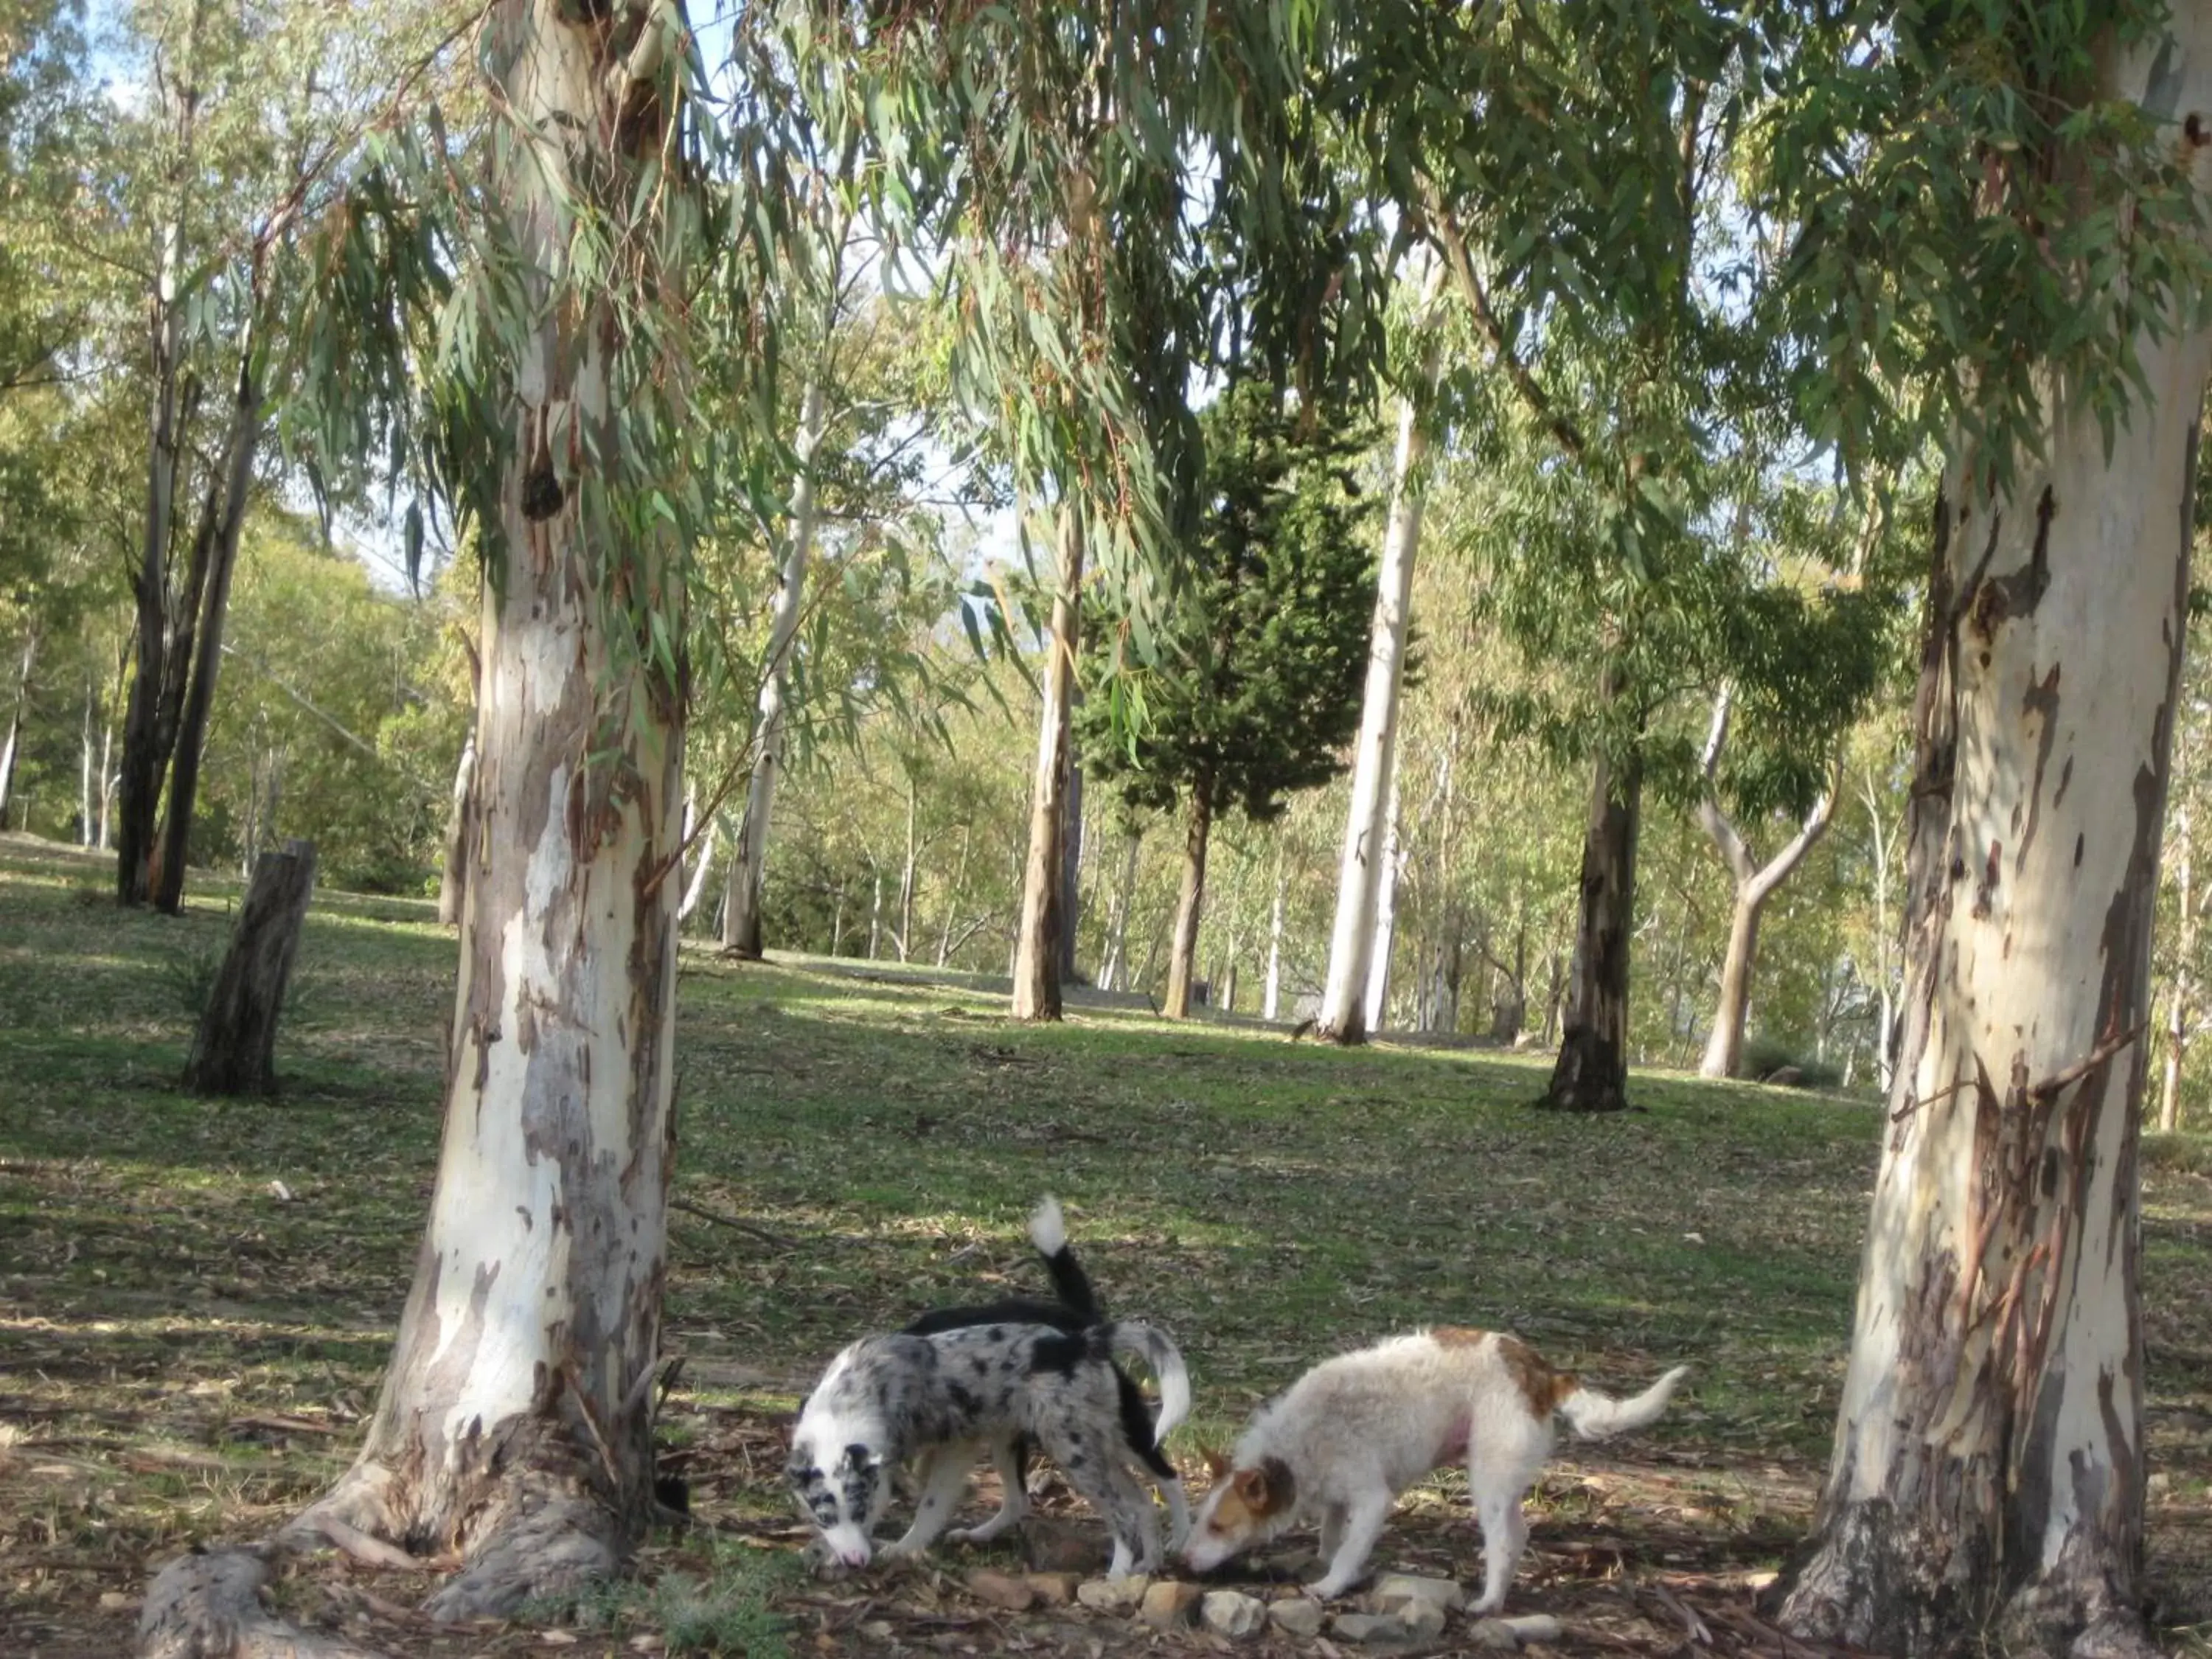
(1358, 1429)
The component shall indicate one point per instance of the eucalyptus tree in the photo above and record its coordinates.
(513, 1429)
(2004, 237)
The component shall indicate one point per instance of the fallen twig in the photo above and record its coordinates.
(781, 1241)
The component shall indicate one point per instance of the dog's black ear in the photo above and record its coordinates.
(1279, 1487)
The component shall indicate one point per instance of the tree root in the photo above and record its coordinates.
(548, 1543)
(208, 1607)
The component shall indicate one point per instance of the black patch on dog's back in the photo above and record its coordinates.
(1065, 1351)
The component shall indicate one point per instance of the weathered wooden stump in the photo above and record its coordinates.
(235, 1053)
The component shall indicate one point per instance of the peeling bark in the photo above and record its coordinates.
(1038, 942)
(1987, 1474)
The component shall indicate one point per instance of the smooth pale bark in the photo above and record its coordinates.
(1754, 884)
(1070, 868)
(952, 898)
(453, 883)
(1376, 1000)
(1987, 1485)
(139, 787)
(1190, 902)
(741, 910)
(1591, 1073)
(1884, 950)
(1271, 1001)
(1113, 976)
(909, 870)
(1037, 940)
(703, 869)
(85, 764)
(514, 1426)
(1346, 992)
(243, 440)
(13, 745)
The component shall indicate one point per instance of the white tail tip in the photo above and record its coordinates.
(1047, 1229)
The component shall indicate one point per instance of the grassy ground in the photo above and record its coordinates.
(197, 1298)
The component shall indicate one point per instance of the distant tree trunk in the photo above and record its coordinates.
(1115, 975)
(144, 756)
(1348, 990)
(2177, 1005)
(1038, 942)
(908, 872)
(13, 746)
(1271, 1003)
(1376, 1007)
(514, 1424)
(1591, 1074)
(876, 913)
(1884, 939)
(86, 763)
(1190, 902)
(1228, 1000)
(741, 911)
(234, 1052)
(703, 847)
(108, 779)
(953, 898)
(1071, 877)
(1754, 885)
(1987, 1482)
(240, 447)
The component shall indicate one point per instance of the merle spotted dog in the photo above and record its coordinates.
(961, 1380)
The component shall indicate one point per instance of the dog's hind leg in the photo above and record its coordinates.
(944, 1478)
(1092, 1464)
(1496, 1481)
(1006, 1456)
(1364, 1519)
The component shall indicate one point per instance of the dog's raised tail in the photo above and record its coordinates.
(1594, 1416)
(1159, 1352)
(1048, 1232)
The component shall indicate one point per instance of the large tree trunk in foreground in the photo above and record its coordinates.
(1591, 1074)
(741, 911)
(1037, 943)
(245, 438)
(235, 1051)
(1345, 993)
(1190, 904)
(1988, 1476)
(514, 1426)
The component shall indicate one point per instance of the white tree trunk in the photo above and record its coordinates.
(1988, 1476)
(1271, 1003)
(2177, 1005)
(1113, 976)
(514, 1424)
(1347, 992)
(85, 765)
(1376, 1002)
(11, 746)
(741, 918)
(1037, 939)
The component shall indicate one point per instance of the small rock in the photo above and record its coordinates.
(116, 1600)
(1000, 1590)
(1232, 1613)
(1401, 1588)
(1425, 1620)
(1532, 1626)
(1369, 1627)
(1299, 1615)
(1113, 1595)
(876, 1630)
(1168, 1604)
(1053, 1588)
(1496, 1634)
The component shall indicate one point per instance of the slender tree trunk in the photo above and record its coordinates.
(454, 881)
(952, 899)
(108, 779)
(1071, 876)
(1114, 976)
(514, 1426)
(86, 762)
(876, 914)
(244, 440)
(1036, 945)
(1754, 885)
(1190, 904)
(1591, 1074)
(1375, 1003)
(741, 911)
(13, 745)
(1987, 1485)
(1347, 992)
(2177, 1005)
(1271, 1004)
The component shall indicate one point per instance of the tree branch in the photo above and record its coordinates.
(1447, 229)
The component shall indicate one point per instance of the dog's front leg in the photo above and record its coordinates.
(1364, 1520)
(943, 1476)
(1014, 1505)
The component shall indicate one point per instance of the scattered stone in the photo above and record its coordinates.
(1054, 1588)
(877, 1630)
(1369, 1627)
(1422, 1620)
(1113, 1595)
(116, 1600)
(1299, 1615)
(1400, 1588)
(1232, 1613)
(1496, 1634)
(1169, 1603)
(1533, 1627)
(1002, 1590)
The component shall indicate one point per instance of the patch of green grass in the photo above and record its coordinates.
(718, 1605)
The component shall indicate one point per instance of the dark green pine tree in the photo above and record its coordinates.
(1251, 691)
